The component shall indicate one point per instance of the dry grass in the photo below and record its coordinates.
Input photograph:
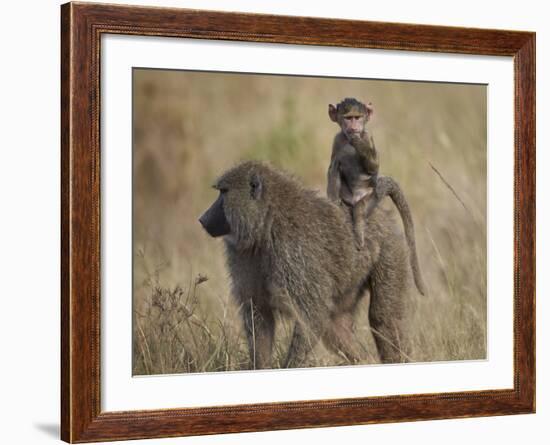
(189, 127)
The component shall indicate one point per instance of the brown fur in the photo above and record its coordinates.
(292, 251)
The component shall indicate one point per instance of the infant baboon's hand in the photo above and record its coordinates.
(355, 140)
(361, 145)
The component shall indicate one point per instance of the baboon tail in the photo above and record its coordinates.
(392, 188)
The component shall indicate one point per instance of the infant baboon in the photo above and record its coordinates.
(353, 178)
(293, 252)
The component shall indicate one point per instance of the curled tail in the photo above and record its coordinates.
(388, 186)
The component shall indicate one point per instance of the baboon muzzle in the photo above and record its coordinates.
(214, 220)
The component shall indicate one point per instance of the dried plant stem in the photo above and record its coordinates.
(450, 188)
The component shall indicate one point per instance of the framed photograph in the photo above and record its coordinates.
(274, 222)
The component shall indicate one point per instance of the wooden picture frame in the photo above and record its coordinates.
(82, 25)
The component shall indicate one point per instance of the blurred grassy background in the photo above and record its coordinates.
(191, 126)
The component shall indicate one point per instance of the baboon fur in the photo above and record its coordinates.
(292, 251)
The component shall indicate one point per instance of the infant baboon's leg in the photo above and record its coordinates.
(359, 214)
(341, 339)
(259, 325)
(382, 188)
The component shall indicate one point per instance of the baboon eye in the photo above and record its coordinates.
(255, 187)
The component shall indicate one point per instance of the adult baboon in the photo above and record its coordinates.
(292, 251)
(353, 178)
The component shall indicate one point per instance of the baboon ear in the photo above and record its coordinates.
(370, 110)
(256, 186)
(332, 113)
